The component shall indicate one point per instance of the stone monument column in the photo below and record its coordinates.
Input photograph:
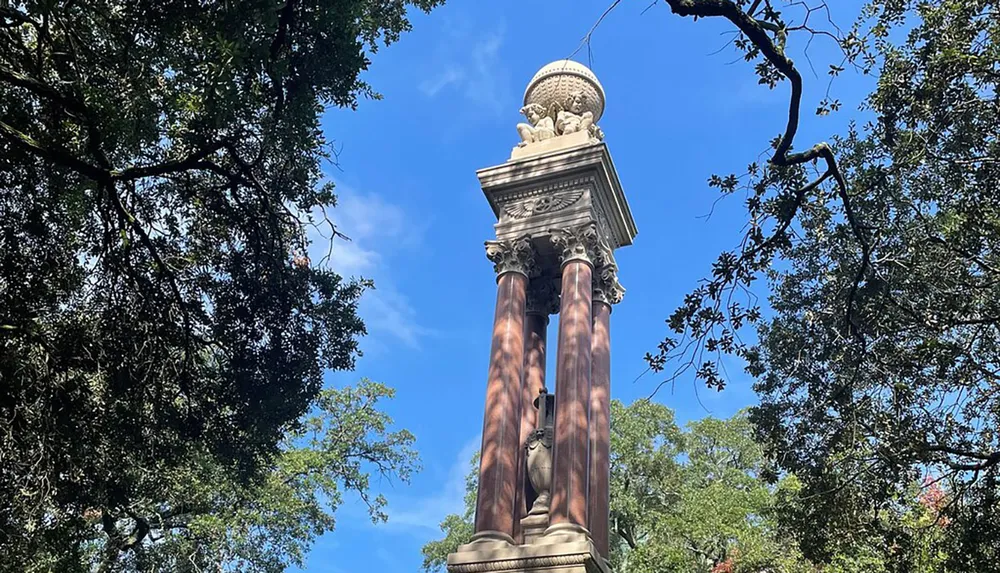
(542, 301)
(495, 513)
(576, 248)
(561, 213)
(607, 291)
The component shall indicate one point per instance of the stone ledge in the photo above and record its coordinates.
(561, 557)
(557, 143)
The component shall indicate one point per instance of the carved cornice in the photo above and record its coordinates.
(526, 563)
(543, 297)
(576, 243)
(514, 256)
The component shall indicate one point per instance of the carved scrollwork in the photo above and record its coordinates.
(576, 243)
(606, 287)
(543, 204)
(608, 290)
(514, 256)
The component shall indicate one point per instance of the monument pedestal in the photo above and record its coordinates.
(557, 556)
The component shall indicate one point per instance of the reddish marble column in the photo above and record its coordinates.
(536, 325)
(495, 512)
(600, 427)
(571, 470)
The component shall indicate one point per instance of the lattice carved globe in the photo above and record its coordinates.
(555, 82)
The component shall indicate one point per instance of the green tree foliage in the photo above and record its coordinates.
(458, 529)
(691, 500)
(160, 167)
(879, 365)
(202, 519)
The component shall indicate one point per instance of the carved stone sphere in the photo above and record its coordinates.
(556, 81)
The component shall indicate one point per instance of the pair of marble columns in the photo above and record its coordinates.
(580, 473)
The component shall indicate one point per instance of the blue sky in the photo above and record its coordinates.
(410, 200)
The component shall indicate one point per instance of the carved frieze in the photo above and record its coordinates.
(542, 204)
(514, 256)
(544, 199)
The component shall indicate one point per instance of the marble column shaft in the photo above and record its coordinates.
(495, 510)
(600, 427)
(570, 459)
(535, 329)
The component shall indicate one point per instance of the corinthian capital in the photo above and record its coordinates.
(514, 256)
(576, 243)
(543, 296)
(607, 289)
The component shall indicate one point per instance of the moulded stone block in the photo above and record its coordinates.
(559, 189)
(578, 556)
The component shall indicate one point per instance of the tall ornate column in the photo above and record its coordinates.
(542, 301)
(571, 468)
(607, 291)
(495, 513)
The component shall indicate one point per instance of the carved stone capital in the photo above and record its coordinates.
(606, 287)
(543, 297)
(514, 256)
(577, 243)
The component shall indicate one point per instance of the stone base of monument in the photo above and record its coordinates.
(555, 552)
(533, 527)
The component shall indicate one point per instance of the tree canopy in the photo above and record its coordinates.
(160, 173)
(876, 358)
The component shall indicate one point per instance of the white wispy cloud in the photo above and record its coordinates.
(470, 66)
(424, 515)
(376, 230)
(385, 309)
(432, 86)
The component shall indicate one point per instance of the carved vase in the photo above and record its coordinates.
(539, 458)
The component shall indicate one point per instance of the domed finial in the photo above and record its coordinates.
(563, 98)
(556, 82)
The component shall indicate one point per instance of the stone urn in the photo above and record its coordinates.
(538, 448)
(539, 458)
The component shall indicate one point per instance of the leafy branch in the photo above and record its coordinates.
(710, 315)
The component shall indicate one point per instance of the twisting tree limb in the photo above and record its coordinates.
(756, 32)
(55, 155)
